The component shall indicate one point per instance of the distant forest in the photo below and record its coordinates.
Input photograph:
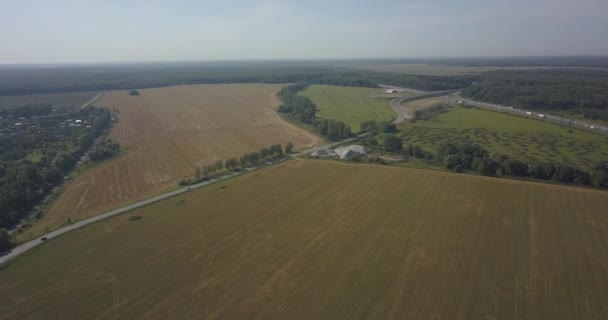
(577, 91)
(43, 80)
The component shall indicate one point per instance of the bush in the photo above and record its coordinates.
(393, 143)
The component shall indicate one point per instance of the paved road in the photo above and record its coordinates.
(533, 114)
(455, 96)
(6, 256)
(63, 230)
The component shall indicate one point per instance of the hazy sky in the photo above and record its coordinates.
(50, 31)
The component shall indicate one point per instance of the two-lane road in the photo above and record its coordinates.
(6, 256)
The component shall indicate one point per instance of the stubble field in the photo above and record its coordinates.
(325, 240)
(165, 133)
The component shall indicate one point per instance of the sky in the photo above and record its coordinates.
(84, 31)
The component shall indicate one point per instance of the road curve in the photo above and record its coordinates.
(455, 95)
(20, 249)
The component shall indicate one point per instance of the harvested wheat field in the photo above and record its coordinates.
(323, 240)
(166, 132)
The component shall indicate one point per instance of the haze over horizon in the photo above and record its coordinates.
(67, 31)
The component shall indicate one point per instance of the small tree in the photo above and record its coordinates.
(276, 149)
(289, 147)
(197, 173)
(232, 164)
(6, 241)
(264, 153)
(219, 165)
(393, 143)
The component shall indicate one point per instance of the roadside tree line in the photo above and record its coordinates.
(469, 156)
(247, 160)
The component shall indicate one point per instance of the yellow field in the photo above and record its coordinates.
(324, 240)
(166, 132)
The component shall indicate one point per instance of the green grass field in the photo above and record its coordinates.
(59, 100)
(326, 240)
(349, 104)
(523, 138)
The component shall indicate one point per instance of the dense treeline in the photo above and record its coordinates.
(303, 109)
(299, 107)
(104, 149)
(334, 130)
(469, 156)
(577, 91)
(32, 80)
(24, 182)
(247, 160)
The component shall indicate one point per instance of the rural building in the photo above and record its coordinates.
(350, 152)
(324, 153)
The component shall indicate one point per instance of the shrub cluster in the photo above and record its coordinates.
(469, 156)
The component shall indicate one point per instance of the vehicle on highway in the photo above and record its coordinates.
(43, 239)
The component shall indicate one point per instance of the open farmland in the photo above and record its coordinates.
(325, 240)
(58, 100)
(350, 105)
(523, 138)
(166, 132)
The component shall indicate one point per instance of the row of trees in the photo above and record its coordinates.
(468, 156)
(247, 160)
(304, 110)
(576, 91)
(299, 107)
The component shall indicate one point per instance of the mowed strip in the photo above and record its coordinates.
(166, 132)
(323, 240)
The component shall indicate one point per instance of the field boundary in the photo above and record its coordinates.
(21, 249)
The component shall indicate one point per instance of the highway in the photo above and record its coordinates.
(454, 97)
(532, 114)
(20, 249)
